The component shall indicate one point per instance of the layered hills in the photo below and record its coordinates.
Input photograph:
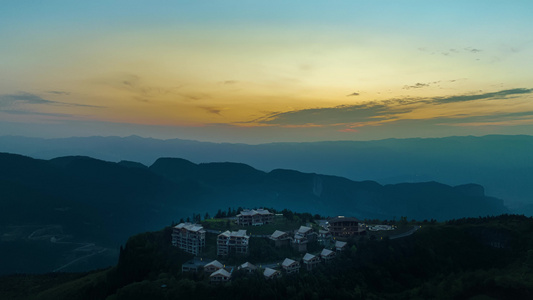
(76, 208)
(502, 164)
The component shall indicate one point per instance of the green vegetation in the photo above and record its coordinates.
(475, 258)
(280, 223)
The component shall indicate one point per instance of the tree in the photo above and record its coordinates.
(206, 216)
(289, 215)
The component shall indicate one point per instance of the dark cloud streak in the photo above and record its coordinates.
(378, 111)
(29, 98)
(25, 112)
(58, 92)
(212, 110)
(486, 96)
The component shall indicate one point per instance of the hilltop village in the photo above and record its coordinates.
(331, 234)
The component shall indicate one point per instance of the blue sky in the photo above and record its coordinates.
(243, 71)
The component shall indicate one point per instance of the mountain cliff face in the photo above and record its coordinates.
(95, 201)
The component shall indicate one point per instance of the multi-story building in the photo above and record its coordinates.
(232, 242)
(345, 227)
(189, 237)
(254, 217)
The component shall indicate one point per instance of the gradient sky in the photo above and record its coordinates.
(263, 71)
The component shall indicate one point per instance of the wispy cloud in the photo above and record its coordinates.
(135, 85)
(229, 82)
(58, 92)
(499, 119)
(353, 94)
(24, 98)
(211, 109)
(26, 112)
(348, 130)
(331, 115)
(387, 111)
(29, 98)
(472, 50)
(418, 85)
(451, 51)
(484, 96)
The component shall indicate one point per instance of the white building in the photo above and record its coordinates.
(189, 237)
(254, 217)
(232, 242)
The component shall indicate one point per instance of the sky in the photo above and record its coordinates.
(266, 71)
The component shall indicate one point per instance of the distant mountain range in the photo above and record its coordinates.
(502, 164)
(77, 201)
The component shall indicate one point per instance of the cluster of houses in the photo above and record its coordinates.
(218, 272)
(191, 238)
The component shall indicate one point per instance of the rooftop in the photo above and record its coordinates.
(269, 272)
(308, 257)
(215, 263)
(287, 262)
(190, 227)
(326, 252)
(247, 265)
(304, 229)
(239, 233)
(343, 219)
(340, 244)
(278, 233)
(221, 272)
(248, 212)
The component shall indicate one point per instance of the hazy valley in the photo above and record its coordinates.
(79, 206)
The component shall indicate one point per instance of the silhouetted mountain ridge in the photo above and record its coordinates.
(89, 200)
(501, 163)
